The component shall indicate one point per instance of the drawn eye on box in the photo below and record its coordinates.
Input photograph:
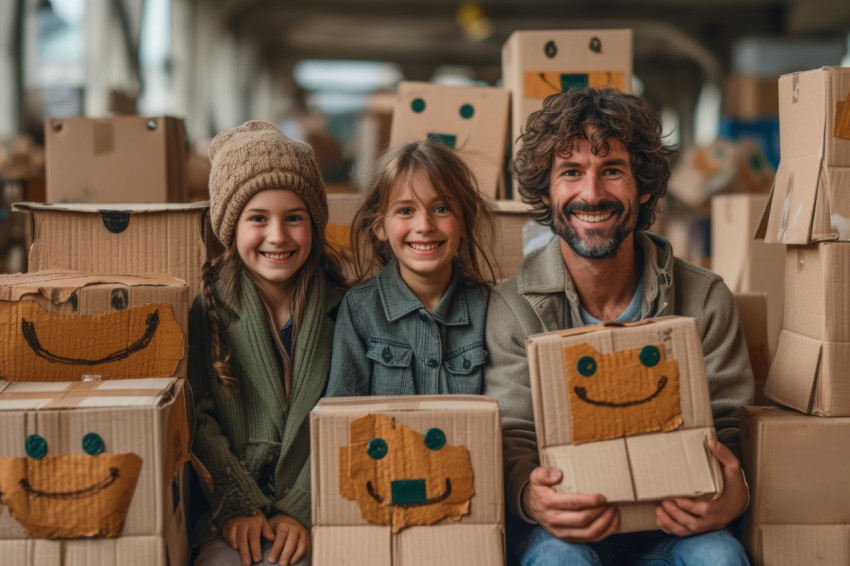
(401, 477)
(622, 393)
(69, 495)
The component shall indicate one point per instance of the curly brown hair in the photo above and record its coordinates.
(610, 114)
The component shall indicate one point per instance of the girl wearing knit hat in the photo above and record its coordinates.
(261, 333)
(428, 227)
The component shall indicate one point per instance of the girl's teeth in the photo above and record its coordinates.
(424, 247)
(277, 256)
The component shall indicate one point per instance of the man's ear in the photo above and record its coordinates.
(645, 198)
(545, 200)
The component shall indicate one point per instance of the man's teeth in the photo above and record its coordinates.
(277, 256)
(599, 217)
(424, 247)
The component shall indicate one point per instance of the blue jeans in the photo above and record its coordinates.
(649, 548)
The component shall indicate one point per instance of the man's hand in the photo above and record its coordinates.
(291, 540)
(244, 534)
(685, 517)
(572, 517)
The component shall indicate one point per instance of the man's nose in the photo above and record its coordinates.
(593, 189)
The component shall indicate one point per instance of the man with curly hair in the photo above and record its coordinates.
(593, 166)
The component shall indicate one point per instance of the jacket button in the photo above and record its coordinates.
(466, 363)
(387, 354)
(423, 317)
(432, 363)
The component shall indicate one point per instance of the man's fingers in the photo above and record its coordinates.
(724, 455)
(605, 524)
(683, 523)
(576, 519)
(668, 524)
(545, 476)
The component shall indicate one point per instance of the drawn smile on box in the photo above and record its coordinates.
(581, 393)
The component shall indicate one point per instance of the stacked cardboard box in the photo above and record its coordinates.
(407, 480)
(799, 516)
(623, 410)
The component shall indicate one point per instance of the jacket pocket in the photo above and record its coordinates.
(466, 369)
(391, 373)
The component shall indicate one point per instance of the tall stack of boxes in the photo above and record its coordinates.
(93, 401)
(794, 457)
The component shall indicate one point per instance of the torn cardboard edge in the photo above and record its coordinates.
(58, 285)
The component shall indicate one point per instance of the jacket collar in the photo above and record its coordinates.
(398, 300)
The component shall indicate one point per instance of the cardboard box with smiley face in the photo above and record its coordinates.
(407, 480)
(61, 325)
(623, 410)
(93, 472)
(472, 120)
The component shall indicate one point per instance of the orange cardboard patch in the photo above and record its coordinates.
(540, 84)
(622, 393)
(400, 477)
(841, 122)
(71, 495)
(38, 345)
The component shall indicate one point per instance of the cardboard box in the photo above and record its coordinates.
(809, 371)
(748, 265)
(124, 159)
(143, 420)
(60, 325)
(506, 253)
(750, 97)
(536, 64)
(798, 545)
(128, 239)
(810, 201)
(752, 308)
(458, 521)
(472, 120)
(602, 397)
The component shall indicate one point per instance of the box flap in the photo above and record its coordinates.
(794, 371)
(146, 392)
(792, 200)
(58, 285)
(133, 208)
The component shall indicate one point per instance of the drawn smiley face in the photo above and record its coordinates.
(69, 495)
(622, 393)
(400, 477)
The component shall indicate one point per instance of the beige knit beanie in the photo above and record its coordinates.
(257, 156)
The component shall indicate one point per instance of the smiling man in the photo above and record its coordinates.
(593, 166)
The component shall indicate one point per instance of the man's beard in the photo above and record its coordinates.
(596, 245)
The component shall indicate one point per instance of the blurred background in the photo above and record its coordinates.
(326, 72)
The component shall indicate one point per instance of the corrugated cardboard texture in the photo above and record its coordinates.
(566, 59)
(449, 545)
(146, 417)
(117, 159)
(472, 120)
(636, 468)
(129, 239)
(799, 545)
(506, 253)
(752, 308)
(130, 551)
(817, 297)
(622, 393)
(466, 420)
(73, 293)
(41, 346)
(809, 200)
(748, 265)
(796, 466)
(401, 477)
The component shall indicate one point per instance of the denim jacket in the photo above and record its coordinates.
(387, 343)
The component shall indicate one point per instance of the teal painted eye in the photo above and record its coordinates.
(418, 105)
(36, 446)
(377, 448)
(586, 366)
(92, 444)
(649, 356)
(435, 439)
(466, 111)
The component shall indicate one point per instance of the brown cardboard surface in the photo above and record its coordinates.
(401, 477)
(603, 405)
(795, 467)
(342, 207)
(817, 297)
(131, 551)
(799, 545)
(117, 159)
(473, 120)
(748, 265)
(644, 467)
(540, 54)
(810, 375)
(131, 416)
(752, 308)
(121, 238)
(750, 97)
(506, 253)
(38, 345)
(809, 200)
(841, 122)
